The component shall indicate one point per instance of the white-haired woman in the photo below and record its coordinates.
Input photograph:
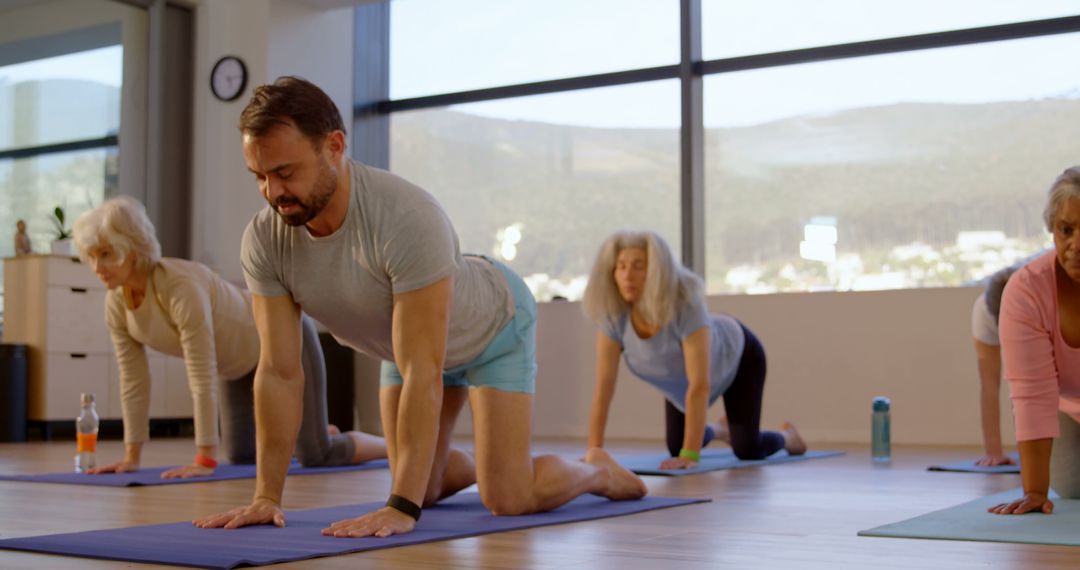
(1040, 341)
(651, 310)
(182, 308)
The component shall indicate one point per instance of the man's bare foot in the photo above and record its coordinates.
(332, 429)
(793, 442)
(623, 483)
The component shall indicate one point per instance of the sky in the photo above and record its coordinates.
(436, 46)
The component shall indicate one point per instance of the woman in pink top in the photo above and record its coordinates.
(1040, 340)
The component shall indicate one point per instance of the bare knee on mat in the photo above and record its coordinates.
(507, 504)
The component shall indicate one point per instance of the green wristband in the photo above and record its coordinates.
(690, 454)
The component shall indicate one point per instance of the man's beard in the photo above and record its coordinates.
(321, 192)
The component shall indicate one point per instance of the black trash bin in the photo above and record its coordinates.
(12, 392)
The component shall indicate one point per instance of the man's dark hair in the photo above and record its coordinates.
(295, 100)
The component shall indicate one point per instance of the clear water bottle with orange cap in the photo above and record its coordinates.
(86, 432)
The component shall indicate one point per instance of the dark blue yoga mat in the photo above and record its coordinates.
(970, 467)
(711, 460)
(152, 476)
(182, 544)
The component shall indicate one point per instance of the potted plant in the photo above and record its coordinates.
(61, 244)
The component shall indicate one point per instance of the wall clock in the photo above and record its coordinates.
(228, 78)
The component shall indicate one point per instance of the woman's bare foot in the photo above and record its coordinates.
(366, 446)
(623, 483)
(793, 442)
(720, 429)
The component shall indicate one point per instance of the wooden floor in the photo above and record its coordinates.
(799, 515)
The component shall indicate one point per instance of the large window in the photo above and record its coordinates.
(59, 119)
(846, 146)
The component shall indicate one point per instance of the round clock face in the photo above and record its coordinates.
(228, 78)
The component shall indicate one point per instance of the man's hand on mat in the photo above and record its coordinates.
(381, 523)
(120, 467)
(187, 472)
(678, 463)
(994, 461)
(261, 511)
(1030, 503)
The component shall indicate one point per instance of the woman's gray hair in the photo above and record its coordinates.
(668, 285)
(1066, 186)
(122, 223)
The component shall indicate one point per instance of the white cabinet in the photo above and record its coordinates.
(56, 306)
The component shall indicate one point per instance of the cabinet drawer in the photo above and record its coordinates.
(67, 376)
(75, 320)
(70, 272)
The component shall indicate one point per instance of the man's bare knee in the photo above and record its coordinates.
(508, 504)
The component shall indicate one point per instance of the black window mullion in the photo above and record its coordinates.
(30, 152)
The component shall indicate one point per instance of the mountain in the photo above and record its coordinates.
(890, 175)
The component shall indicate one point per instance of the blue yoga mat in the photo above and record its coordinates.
(152, 476)
(711, 460)
(970, 521)
(970, 467)
(185, 545)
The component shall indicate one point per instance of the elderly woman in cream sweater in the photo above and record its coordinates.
(182, 308)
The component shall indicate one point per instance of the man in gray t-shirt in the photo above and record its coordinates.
(376, 260)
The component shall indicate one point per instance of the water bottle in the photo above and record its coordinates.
(879, 443)
(86, 430)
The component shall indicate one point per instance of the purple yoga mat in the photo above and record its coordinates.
(152, 476)
(711, 460)
(182, 544)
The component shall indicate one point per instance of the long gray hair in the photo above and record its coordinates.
(668, 285)
(1066, 186)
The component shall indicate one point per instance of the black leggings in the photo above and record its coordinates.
(742, 402)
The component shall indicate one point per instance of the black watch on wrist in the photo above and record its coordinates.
(403, 505)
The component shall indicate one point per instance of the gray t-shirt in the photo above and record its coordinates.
(659, 361)
(395, 239)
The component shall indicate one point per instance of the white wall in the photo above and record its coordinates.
(314, 44)
(828, 354)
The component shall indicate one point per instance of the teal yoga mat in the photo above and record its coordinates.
(711, 460)
(970, 521)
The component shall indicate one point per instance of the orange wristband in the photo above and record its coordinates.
(205, 461)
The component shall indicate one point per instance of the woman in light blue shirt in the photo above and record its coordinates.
(651, 310)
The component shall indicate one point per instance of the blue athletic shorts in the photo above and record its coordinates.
(509, 361)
